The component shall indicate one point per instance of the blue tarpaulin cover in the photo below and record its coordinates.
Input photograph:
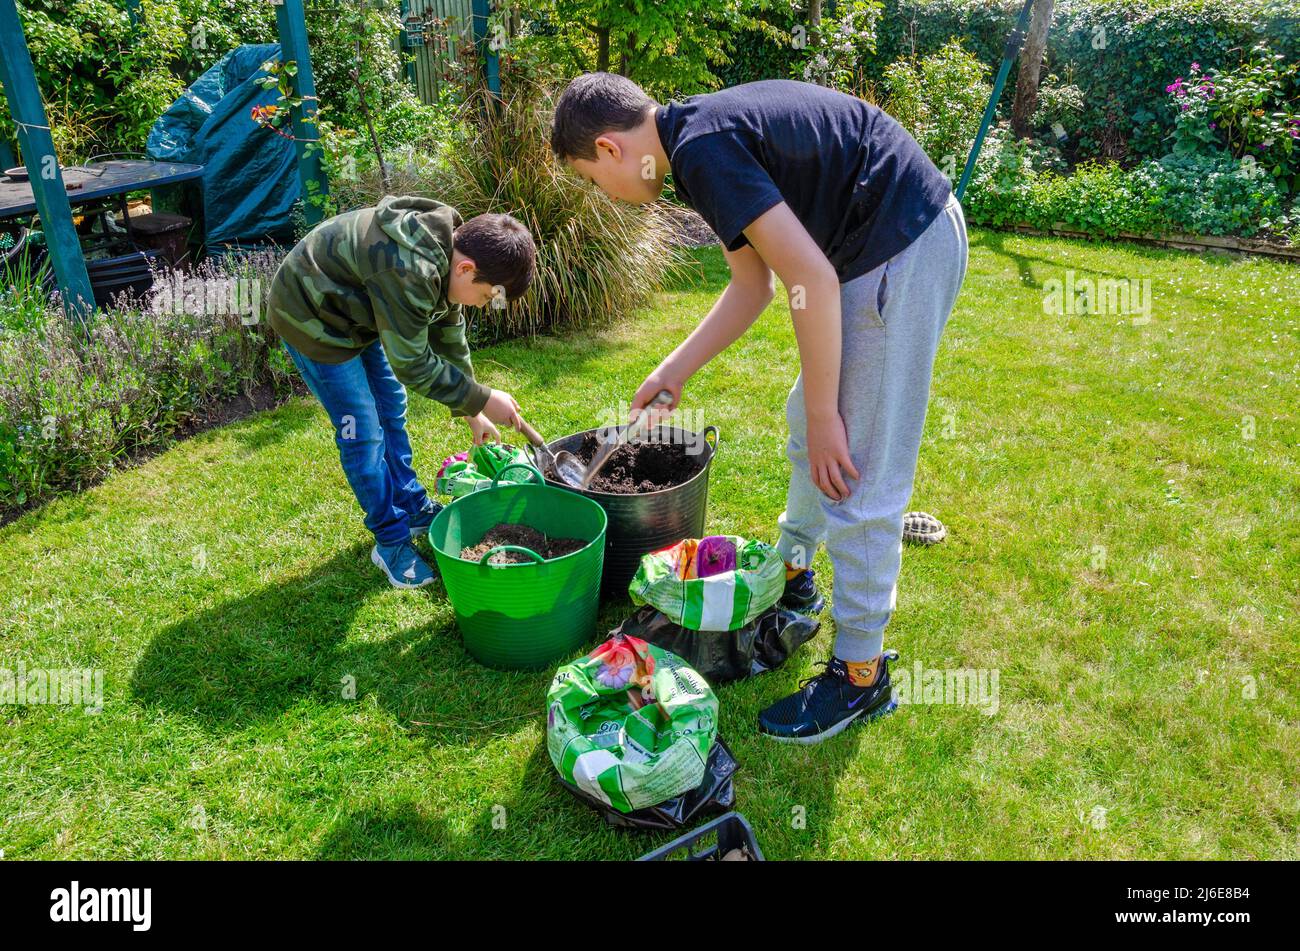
(250, 179)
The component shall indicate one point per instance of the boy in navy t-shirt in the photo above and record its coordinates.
(837, 199)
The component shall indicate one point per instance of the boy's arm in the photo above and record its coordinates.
(402, 305)
(448, 340)
(778, 242)
(814, 288)
(745, 297)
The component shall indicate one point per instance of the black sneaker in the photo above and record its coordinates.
(828, 703)
(801, 594)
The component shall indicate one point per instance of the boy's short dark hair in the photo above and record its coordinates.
(590, 106)
(502, 251)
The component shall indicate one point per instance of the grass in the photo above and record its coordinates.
(1119, 552)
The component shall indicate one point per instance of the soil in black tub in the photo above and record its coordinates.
(524, 536)
(639, 467)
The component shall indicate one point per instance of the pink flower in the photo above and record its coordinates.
(1195, 67)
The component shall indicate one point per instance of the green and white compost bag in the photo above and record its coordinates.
(471, 471)
(718, 583)
(630, 724)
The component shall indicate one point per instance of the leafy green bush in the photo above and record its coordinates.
(1218, 195)
(75, 403)
(847, 37)
(940, 99)
(104, 80)
(1014, 184)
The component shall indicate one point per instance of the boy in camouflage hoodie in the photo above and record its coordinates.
(369, 303)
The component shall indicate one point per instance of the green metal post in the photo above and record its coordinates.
(1014, 42)
(24, 95)
(292, 27)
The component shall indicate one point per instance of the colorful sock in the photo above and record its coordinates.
(791, 572)
(863, 673)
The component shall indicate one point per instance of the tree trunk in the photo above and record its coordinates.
(625, 60)
(602, 55)
(1031, 64)
(814, 22)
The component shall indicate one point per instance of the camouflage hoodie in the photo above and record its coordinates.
(381, 274)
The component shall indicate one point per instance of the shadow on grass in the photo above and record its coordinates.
(390, 830)
(537, 819)
(251, 659)
(996, 242)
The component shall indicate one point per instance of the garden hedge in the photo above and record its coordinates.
(1143, 45)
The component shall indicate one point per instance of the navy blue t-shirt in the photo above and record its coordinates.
(856, 179)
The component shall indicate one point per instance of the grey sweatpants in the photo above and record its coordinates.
(892, 319)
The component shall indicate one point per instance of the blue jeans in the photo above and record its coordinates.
(367, 406)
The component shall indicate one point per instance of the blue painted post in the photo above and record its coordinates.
(133, 11)
(292, 27)
(404, 45)
(24, 95)
(491, 66)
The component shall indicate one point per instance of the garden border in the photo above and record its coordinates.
(1181, 242)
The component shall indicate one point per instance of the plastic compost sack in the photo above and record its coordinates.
(715, 794)
(472, 471)
(631, 725)
(717, 583)
(721, 656)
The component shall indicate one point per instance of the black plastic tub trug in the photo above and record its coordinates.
(647, 521)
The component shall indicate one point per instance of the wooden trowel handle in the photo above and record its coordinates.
(530, 434)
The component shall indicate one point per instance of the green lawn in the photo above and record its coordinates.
(1119, 551)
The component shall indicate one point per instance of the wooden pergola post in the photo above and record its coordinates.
(37, 145)
(292, 27)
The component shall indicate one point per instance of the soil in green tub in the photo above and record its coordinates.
(525, 537)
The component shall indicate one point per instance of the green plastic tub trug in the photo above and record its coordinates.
(521, 616)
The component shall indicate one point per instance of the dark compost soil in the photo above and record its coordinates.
(520, 535)
(639, 467)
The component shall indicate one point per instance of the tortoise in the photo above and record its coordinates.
(922, 528)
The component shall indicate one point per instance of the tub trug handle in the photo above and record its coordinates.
(519, 465)
(519, 548)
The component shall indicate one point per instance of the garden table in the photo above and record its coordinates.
(95, 181)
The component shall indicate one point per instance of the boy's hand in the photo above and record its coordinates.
(502, 408)
(482, 429)
(653, 385)
(828, 456)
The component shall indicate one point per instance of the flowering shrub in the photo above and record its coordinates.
(846, 39)
(1252, 113)
(74, 403)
